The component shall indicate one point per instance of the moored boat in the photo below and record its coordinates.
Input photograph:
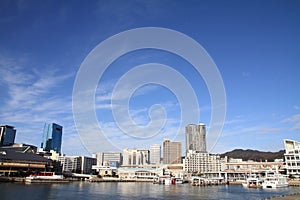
(274, 180)
(252, 183)
(45, 177)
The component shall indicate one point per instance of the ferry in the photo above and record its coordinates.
(253, 183)
(45, 177)
(274, 180)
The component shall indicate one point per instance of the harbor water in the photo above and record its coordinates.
(134, 190)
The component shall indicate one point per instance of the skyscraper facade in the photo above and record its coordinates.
(104, 158)
(7, 135)
(195, 137)
(171, 152)
(52, 136)
(155, 154)
(135, 157)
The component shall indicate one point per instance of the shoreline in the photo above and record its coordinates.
(292, 183)
(286, 197)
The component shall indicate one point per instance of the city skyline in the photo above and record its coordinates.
(254, 45)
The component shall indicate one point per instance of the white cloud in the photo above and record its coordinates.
(32, 98)
(294, 120)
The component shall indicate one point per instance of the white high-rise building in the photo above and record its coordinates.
(195, 137)
(292, 157)
(135, 157)
(155, 154)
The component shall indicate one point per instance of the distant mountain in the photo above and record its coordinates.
(254, 155)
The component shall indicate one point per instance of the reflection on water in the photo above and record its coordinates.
(107, 191)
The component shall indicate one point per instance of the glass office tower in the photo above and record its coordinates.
(7, 135)
(52, 136)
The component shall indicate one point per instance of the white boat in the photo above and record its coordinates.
(252, 183)
(274, 180)
(45, 177)
(167, 181)
(197, 181)
(179, 181)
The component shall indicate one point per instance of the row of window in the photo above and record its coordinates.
(294, 171)
(292, 158)
(293, 164)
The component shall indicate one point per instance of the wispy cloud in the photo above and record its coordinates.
(268, 130)
(296, 107)
(33, 98)
(294, 120)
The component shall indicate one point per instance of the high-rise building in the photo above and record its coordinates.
(135, 157)
(155, 154)
(292, 158)
(171, 152)
(52, 137)
(195, 138)
(7, 135)
(77, 164)
(105, 158)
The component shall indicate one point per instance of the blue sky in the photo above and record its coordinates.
(255, 45)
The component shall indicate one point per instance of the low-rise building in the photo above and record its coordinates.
(20, 161)
(200, 162)
(138, 173)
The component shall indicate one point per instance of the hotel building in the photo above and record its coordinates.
(292, 157)
(197, 162)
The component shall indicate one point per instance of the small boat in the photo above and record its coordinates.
(274, 180)
(179, 181)
(197, 181)
(167, 181)
(253, 183)
(45, 177)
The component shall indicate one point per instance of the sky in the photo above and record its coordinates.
(45, 46)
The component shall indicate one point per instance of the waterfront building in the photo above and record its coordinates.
(29, 148)
(77, 164)
(139, 173)
(135, 157)
(171, 152)
(107, 158)
(7, 135)
(155, 154)
(199, 162)
(52, 137)
(237, 169)
(21, 161)
(292, 158)
(195, 137)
